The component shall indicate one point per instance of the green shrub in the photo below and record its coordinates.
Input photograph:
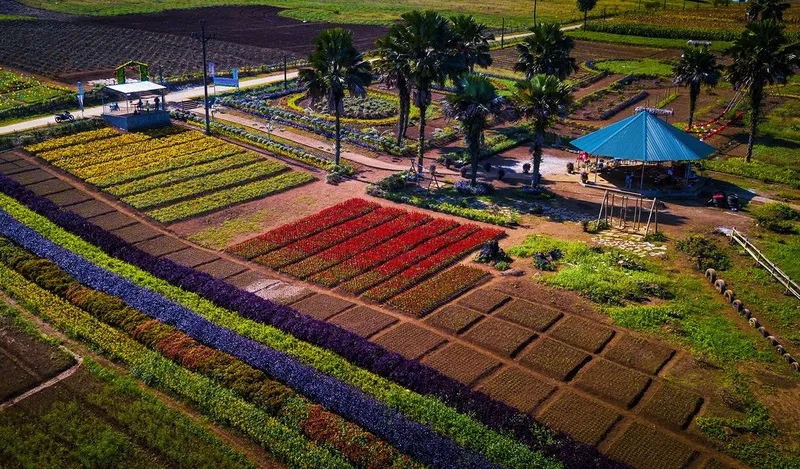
(777, 217)
(706, 251)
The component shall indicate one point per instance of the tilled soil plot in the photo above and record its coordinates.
(259, 26)
(83, 51)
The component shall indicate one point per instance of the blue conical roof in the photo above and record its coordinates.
(643, 137)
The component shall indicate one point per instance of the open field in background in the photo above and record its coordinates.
(351, 11)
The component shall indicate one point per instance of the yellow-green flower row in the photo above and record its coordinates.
(71, 140)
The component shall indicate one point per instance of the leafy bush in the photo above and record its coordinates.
(777, 217)
(656, 236)
(706, 251)
(594, 226)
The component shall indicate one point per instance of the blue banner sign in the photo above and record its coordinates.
(219, 81)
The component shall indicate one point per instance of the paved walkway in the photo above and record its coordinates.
(189, 93)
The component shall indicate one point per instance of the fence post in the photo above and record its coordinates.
(503, 34)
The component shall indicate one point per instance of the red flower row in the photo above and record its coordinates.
(356, 245)
(407, 259)
(327, 238)
(382, 253)
(302, 228)
(437, 291)
(430, 265)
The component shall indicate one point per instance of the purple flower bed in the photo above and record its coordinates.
(407, 373)
(406, 435)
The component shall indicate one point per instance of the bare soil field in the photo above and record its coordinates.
(258, 26)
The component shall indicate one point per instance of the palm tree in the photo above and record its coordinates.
(760, 56)
(335, 68)
(767, 10)
(586, 6)
(540, 99)
(546, 51)
(473, 41)
(393, 64)
(474, 103)
(430, 46)
(697, 67)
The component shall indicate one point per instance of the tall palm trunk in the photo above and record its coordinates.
(537, 159)
(756, 95)
(694, 92)
(423, 108)
(338, 137)
(585, 15)
(404, 96)
(474, 151)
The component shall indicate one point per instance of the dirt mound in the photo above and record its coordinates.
(258, 26)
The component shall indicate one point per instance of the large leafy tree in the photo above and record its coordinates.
(393, 63)
(335, 68)
(766, 10)
(546, 51)
(697, 67)
(431, 50)
(541, 100)
(472, 41)
(585, 6)
(761, 56)
(474, 103)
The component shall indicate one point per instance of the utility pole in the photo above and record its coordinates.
(203, 40)
(534, 12)
(285, 81)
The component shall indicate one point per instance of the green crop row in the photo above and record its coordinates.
(182, 174)
(757, 170)
(199, 185)
(212, 399)
(668, 32)
(223, 198)
(427, 410)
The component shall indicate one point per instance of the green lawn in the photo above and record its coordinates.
(636, 67)
(655, 42)
(353, 11)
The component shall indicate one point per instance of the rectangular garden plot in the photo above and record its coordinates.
(671, 405)
(582, 418)
(438, 290)
(499, 336)
(641, 446)
(462, 363)
(527, 314)
(612, 382)
(582, 334)
(640, 354)
(518, 389)
(553, 359)
(171, 173)
(453, 318)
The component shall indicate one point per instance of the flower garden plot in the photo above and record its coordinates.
(671, 405)
(642, 446)
(518, 389)
(383, 252)
(453, 318)
(438, 290)
(614, 383)
(311, 245)
(462, 363)
(430, 265)
(553, 358)
(356, 246)
(484, 300)
(302, 228)
(74, 139)
(203, 184)
(639, 354)
(583, 419)
(409, 340)
(582, 334)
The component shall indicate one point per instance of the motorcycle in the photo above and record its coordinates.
(64, 117)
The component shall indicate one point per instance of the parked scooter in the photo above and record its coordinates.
(64, 117)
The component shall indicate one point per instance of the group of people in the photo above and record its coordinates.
(145, 105)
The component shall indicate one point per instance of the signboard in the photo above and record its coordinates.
(80, 95)
(211, 69)
(219, 81)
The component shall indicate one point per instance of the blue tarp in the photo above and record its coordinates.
(643, 137)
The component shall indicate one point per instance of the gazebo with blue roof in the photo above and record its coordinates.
(646, 138)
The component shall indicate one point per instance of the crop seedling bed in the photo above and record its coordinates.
(640, 354)
(222, 268)
(518, 389)
(322, 306)
(499, 336)
(461, 363)
(453, 318)
(553, 358)
(671, 405)
(583, 419)
(525, 313)
(484, 300)
(582, 334)
(363, 321)
(641, 446)
(409, 340)
(612, 382)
